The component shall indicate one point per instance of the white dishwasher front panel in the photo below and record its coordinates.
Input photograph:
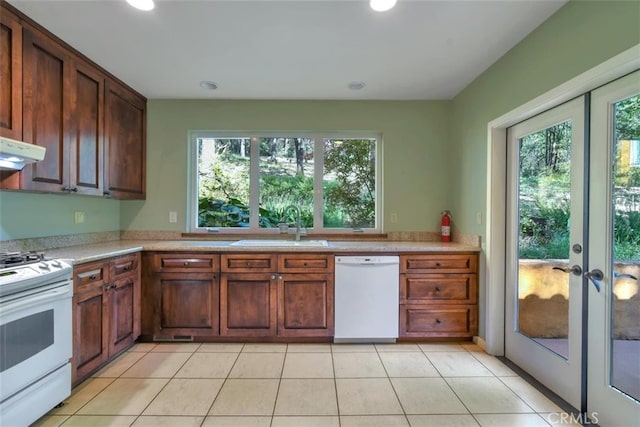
(366, 298)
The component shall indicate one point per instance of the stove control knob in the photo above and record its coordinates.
(44, 266)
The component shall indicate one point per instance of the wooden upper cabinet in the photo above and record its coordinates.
(10, 76)
(46, 111)
(125, 149)
(86, 129)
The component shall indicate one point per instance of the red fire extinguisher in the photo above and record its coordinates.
(445, 223)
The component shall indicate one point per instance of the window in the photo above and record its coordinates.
(257, 181)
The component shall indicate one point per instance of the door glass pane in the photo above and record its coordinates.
(286, 181)
(544, 189)
(223, 182)
(625, 300)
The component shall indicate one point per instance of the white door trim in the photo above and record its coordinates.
(494, 277)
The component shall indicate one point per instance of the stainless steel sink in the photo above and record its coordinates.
(281, 243)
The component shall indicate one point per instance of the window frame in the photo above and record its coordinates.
(254, 180)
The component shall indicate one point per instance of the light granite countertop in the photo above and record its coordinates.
(94, 252)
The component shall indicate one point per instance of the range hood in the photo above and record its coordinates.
(15, 155)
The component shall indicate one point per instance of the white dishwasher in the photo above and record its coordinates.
(366, 298)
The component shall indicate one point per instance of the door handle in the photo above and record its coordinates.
(595, 276)
(617, 275)
(576, 270)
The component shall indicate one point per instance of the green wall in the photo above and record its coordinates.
(578, 37)
(25, 215)
(415, 151)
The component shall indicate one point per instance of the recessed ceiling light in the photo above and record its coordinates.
(209, 85)
(382, 5)
(142, 4)
(356, 85)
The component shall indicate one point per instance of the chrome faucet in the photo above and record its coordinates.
(297, 209)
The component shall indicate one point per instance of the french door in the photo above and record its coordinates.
(572, 307)
(544, 283)
(613, 374)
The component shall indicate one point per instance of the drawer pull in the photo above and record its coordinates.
(92, 277)
(126, 268)
(437, 289)
(186, 263)
(438, 321)
(305, 264)
(438, 264)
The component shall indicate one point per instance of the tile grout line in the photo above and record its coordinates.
(222, 386)
(167, 383)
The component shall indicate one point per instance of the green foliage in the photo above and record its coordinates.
(352, 195)
(627, 236)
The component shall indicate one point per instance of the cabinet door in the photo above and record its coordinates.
(86, 148)
(187, 304)
(10, 76)
(248, 304)
(45, 111)
(90, 342)
(121, 300)
(125, 150)
(305, 305)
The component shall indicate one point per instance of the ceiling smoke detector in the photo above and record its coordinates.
(356, 85)
(209, 85)
(382, 5)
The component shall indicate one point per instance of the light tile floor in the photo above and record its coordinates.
(305, 385)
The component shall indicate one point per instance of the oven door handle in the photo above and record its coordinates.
(35, 299)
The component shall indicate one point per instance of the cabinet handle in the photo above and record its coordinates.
(186, 264)
(248, 264)
(438, 264)
(273, 277)
(437, 289)
(92, 277)
(107, 287)
(304, 264)
(438, 321)
(126, 268)
(215, 276)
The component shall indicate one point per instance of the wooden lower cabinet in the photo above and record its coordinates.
(188, 304)
(438, 295)
(248, 304)
(181, 291)
(208, 296)
(305, 305)
(106, 312)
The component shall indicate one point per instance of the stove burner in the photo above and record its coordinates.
(10, 259)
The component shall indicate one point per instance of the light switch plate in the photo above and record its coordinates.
(173, 217)
(79, 217)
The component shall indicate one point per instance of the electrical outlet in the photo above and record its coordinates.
(173, 217)
(394, 217)
(79, 217)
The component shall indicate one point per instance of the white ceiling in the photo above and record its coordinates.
(304, 49)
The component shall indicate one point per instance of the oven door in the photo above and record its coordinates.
(35, 336)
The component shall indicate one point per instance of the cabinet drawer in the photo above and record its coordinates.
(187, 262)
(438, 321)
(438, 288)
(305, 263)
(250, 263)
(439, 263)
(124, 266)
(90, 275)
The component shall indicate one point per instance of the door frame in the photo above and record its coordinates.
(495, 249)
